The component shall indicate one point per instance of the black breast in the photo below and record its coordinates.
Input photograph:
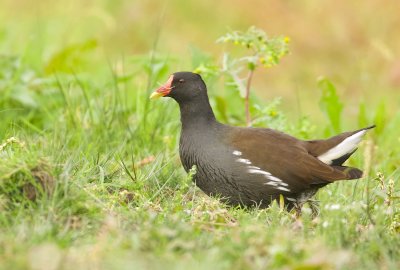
(218, 173)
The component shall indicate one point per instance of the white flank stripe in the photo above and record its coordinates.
(290, 199)
(253, 167)
(237, 153)
(282, 188)
(273, 178)
(259, 172)
(343, 148)
(274, 181)
(271, 183)
(243, 160)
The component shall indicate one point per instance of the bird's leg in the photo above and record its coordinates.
(298, 222)
(314, 206)
(297, 208)
(306, 197)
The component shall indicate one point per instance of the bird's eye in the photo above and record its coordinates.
(181, 81)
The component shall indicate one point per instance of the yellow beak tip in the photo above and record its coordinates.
(155, 95)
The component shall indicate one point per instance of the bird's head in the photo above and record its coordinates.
(182, 86)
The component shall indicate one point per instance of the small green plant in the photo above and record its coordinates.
(263, 51)
(330, 103)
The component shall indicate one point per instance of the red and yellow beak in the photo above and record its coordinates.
(164, 89)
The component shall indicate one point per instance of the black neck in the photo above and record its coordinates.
(196, 112)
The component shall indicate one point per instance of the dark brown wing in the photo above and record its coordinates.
(284, 156)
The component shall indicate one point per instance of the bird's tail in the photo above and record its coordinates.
(351, 173)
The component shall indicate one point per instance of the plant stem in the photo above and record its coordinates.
(247, 97)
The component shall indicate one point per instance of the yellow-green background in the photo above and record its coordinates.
(354, 43)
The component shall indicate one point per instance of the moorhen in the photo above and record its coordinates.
(253, 166)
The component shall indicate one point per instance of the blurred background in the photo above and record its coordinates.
(355, 44)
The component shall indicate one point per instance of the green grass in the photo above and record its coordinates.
(90, 177)
(101, 162)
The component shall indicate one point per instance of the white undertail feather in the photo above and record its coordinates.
(343, 148)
